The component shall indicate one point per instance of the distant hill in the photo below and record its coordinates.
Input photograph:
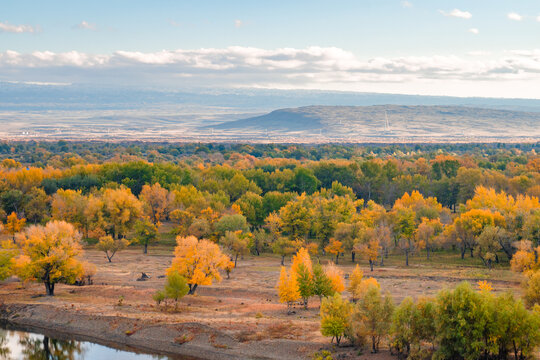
(429, 122)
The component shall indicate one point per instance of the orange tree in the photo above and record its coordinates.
(198, 261)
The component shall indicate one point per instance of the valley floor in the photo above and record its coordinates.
(240, 317)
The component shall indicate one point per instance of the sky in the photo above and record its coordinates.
(488, 48)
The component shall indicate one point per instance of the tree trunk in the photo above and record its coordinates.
(371, 264)
(49, 288)
(463, 253)
(236, 259)
(282, 260)
(353, 256)
(406, 258)
(471, 249)
(427, 250)
(46, 348)
(192, 288)
(337, 258)
(146, 248)
(382, 260)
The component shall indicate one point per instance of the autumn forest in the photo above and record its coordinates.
(326, 241)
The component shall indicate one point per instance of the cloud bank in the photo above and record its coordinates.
(312, 67)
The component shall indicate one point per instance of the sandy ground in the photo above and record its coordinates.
(239, 317)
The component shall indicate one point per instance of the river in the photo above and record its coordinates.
(22, 345)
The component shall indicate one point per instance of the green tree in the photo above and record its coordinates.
(296, 218)
(322, 285)
(236, 244)
(462, 320)
(111, 246)
(305, 181)
(372, 316)
(305, 283)
(335, 317)
(231, 223)
(176, 287)
(145, 233)
(36, 205)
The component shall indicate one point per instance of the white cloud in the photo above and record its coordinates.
(18, 29)
(538, 18)
(238, 23)
(514, 16)
(406, 4)
(457, 14)
(85, 25)
(312, 67)
(474, 31)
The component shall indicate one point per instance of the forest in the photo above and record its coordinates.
(309, 210)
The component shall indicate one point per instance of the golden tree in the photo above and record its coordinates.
(301, 257)
(355, 279)
(288, 289)
(198, 261)
(14, 224)
(155, 202)
(71, 206)
(50, 254)
(121, 209)
(336, 277)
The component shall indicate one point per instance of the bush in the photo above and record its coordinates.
(176, 287)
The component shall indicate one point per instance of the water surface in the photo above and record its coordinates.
(21, 345)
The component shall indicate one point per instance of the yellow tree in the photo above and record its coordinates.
(336, 277)
(525, 258)
(198, 261)
(155, 202)
(335, 247)
(121, 209)
(355, 279)
(359, 288)
(371, 249)
(14, 224)
(301, 257)
(469, 225)
(71, 206)
(50, 254)
(426, 234)
(288, 289)
(111, 246)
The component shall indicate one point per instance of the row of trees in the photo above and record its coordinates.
(456, 324)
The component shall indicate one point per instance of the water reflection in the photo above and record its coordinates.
(17, 345)
(34, 348)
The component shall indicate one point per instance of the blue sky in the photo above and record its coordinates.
(480, 47)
